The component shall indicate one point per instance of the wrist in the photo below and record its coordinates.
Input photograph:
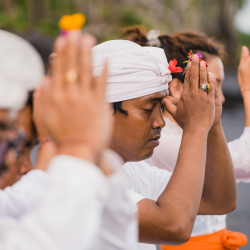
(79, 148)
(216, 128)
(196, 130)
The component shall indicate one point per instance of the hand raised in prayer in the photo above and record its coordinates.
(196, 108)
(244, 69)
(77, 116)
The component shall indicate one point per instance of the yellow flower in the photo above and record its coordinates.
(72, 22)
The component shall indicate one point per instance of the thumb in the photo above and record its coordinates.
(244, 53)
(170, 107)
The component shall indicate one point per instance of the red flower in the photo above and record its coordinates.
(190, 54)
(172, 67)
(204, 61)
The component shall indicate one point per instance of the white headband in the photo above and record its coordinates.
(21, 70)
(134, 71)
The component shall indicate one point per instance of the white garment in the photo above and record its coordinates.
(146, 182)
(134, 71)
(21, 70)
(17, 199)
(79, 208)
(165, 157)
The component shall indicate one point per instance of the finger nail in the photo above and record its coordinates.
(210, 75)
(195, 57)
(202, 63)
(244, 49)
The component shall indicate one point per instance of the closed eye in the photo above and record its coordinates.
(148, 110)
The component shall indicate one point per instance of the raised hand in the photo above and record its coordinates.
(244, 81)
(244, 69)
(77, 114)
(196, 108)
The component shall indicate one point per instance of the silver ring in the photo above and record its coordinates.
(205, 87)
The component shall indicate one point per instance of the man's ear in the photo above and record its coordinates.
(175, 88)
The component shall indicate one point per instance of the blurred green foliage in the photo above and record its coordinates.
(104, 18)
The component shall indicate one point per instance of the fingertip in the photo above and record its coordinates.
(244, 49)
(88, 41)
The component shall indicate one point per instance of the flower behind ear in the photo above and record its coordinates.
(172, 67)
(72, 22)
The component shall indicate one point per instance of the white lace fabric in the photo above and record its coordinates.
(239, 149)
(240, 152)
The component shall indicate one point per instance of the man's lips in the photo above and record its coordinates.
(155, 140)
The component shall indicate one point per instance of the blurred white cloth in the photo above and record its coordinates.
(79, 208)
(134, 71)
(21, 70)
(165, 157)
(147, 182)
(16, 200)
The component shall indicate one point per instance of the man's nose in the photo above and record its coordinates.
(159, 121)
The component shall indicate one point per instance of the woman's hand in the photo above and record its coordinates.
(244, 81)
(196, 108)
(244, 69)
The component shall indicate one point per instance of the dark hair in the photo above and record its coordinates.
(29, 102)
(178, 45)
(118, 107)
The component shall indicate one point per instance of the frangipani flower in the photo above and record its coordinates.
(72, 22)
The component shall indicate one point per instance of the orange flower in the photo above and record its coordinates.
(72, 22)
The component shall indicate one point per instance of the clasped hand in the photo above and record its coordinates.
(196, 108)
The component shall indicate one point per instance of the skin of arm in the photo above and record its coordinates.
(219, 193)
(170, 220)
(244, 82)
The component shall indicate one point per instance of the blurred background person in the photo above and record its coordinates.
(21, 70)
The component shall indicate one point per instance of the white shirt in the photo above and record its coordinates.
(16, 200)
(165, 157)
(79, 208)
(146, 182)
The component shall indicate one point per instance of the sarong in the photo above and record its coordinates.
(221, 240)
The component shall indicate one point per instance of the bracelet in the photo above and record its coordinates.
(44, 142)
(77, 141)
(245, 89)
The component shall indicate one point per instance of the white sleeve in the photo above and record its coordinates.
(66, 215)
(17, 199)
(240, 152)
(166, 154)
(146, 181)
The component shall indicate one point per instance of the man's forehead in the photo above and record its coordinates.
(154, 97)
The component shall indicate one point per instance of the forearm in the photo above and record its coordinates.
(178, 205)
(246, 99)
(219, 192)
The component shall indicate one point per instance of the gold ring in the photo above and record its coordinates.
(71, 76)
(205, 86)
